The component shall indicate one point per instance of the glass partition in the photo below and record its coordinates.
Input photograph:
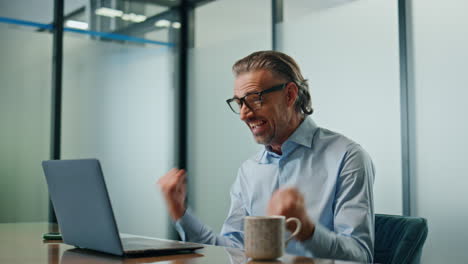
(349, 52)
(39, 11)
(438, 54)
(118, 106)
(218, 140)
(25, 74)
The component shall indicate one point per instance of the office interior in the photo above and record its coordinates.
(143, 86)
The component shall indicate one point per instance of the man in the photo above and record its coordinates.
(304, 171)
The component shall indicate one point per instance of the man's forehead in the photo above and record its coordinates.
(258, 75)
(252, 81)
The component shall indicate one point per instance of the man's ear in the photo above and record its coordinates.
(291, 93)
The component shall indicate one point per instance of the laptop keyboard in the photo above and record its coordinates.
(143, 244)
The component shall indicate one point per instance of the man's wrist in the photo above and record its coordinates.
(178, 213)
(307, 230)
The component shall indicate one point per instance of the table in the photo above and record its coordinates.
(22, 243)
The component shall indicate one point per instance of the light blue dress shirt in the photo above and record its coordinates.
(334, 174)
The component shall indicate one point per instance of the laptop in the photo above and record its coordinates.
(84, 212)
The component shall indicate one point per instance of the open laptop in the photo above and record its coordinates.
(84, 212)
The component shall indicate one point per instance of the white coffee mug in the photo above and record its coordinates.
(264, 236)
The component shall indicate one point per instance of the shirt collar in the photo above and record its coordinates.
(302, 136)
(304, 133)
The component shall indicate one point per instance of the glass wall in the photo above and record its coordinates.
(40, 11)
(118, 106)
(118, 103)
(218, 141)
(439, 61)
(25, 74)
(349, 52)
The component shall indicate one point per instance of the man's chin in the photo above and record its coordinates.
(261, 140)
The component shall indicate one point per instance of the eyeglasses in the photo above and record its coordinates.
(252, 100)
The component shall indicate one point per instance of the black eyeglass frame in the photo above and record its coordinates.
(260, 96)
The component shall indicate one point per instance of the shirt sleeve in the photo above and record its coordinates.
(191, 229)
(353, 234)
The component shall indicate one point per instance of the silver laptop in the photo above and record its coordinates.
(84, 212)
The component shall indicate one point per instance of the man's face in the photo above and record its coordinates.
(270, 124)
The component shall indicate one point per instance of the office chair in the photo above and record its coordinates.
(399, 239)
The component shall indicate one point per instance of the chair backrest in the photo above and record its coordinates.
(399, 239)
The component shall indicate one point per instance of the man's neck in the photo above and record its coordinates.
(276, 147)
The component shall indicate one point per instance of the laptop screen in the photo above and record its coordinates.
(82, 205)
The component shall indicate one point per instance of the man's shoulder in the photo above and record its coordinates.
(345, 148)
(326, 138)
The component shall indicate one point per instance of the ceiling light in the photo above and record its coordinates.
(176, 25)
(162, 23)
(139, 18)
(76, 24)
(109, 12)
(133, 17)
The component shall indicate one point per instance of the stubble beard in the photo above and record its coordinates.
(264, 139)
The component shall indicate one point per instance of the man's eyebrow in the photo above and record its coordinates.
(249, 93)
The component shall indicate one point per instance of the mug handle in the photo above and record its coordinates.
(298, 227)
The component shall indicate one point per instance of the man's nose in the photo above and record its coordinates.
(245, 112)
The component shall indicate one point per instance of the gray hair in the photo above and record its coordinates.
(282, 65)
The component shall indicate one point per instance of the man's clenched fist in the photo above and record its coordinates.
(290, 203)
(173, 187)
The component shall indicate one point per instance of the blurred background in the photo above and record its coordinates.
(141, 85)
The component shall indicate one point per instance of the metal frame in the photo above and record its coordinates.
(184, 39)
(68, 16)
(56, 115)
(404, 108)
(184, 13)
(277, 17)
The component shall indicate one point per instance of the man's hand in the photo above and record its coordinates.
(290, 203)
(173, 187)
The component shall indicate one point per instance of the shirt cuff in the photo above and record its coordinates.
(188, 226)
(321, 241)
